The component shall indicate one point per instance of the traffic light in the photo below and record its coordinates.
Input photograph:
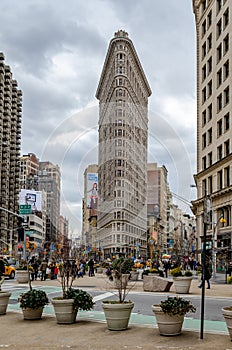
(20, 229)
(27, 245)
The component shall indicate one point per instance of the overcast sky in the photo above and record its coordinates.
(56, 50)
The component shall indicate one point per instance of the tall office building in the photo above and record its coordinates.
(214, 112)
(10, 144)
(89, 208)
(157, 204)
(29, 167)
(49, 182)
(123, 93)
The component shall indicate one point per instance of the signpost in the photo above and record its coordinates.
(25, 209)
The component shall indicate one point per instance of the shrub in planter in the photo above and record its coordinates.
(176, 272)
(170, 314)
(33, 299)
(32, 303)
(82, 299)
(229, 280)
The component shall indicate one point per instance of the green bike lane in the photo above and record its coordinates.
(213, 327)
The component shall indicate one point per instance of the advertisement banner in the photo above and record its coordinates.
(92, 191)
(32, 198)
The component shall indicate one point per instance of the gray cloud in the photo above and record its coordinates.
(56, 51)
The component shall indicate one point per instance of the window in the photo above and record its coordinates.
(219, 102)
(210, 88)
(204, 72)
(227, 121)
(204, 95)
(219, 5)
(204, 187)
(219, 28)
(219, 77)
(219, 53)
(210, 184)
(204, 140)
(219, 179)
(219, 152)
(210, 158)
(227, 148)
(226, 18)
(209, 41)
(204, 163)
(203, 50)
(226, 96)
(210, 112)
(210, 133)
(226, 44)
(119, 81)
(226, 69)
(219, 128)
(227, 176)
(204, 118)
(120, 92)
(209, 63)
(203, 29)
(209, 18)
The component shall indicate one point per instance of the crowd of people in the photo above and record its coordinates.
(46, 269)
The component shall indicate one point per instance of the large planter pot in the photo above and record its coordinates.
(65, 313)
(22, 276)
(134, 275)
(117, 315)
(227, 313)
(182, 284)
(32, 314)
(167, 325)
(122, 282)
(4, 300)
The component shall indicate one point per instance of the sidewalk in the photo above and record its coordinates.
(17, 334)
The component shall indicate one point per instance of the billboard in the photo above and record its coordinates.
(31, 197)
(92, 191)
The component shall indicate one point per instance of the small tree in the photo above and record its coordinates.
(121, 271)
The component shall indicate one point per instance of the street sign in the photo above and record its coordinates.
(25, 209)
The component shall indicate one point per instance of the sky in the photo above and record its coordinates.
(56, 50)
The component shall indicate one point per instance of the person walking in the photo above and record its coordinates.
(207, 277)
(91, 267)
(43, 269)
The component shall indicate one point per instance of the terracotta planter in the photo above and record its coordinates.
(167, 325)
(4, 300)
(32, 314)
(227, 313)
(22, 276)
(64, 310)
(117, 315)
(182, 284)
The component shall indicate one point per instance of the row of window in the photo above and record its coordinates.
(223, 150)
(219, 4)
(221, 24)
(223, 47)
(222, 99)
(223, 180)
(222, 73)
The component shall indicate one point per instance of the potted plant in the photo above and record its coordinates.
(117, 312)
(182, 280)
(22, 273)
(227, 314)
(67, 305)
(4, 297)
(170, 314)
(32, 303)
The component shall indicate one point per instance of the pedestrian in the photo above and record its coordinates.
(207, 277)
(35, 267)
(43, 269)
(91, 267)
(167, 266)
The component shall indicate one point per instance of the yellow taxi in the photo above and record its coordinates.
(9, 270)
